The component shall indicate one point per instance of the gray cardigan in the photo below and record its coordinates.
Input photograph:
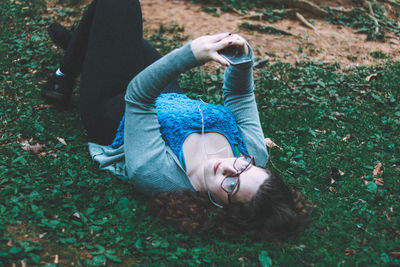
(144, 159)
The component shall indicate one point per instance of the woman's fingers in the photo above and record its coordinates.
(219, 36)
(206, 48)
(233, 40)
(221, 60)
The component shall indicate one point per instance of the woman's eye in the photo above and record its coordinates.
(232, 186)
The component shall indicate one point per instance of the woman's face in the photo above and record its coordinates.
(215, 170)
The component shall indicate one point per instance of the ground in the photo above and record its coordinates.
(337, 132)
(329, 43)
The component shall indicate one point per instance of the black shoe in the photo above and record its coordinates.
(58, 89)
(59, 34)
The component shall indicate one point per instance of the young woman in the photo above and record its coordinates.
(191, 157)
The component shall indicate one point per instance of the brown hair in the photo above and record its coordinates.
(275, 212)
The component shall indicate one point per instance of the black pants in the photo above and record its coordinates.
(108, 50)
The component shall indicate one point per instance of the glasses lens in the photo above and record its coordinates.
(229, 184)
(242, 163)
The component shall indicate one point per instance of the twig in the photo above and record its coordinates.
(234, 10)
(263, 28)
(261, 63)
(305, 22)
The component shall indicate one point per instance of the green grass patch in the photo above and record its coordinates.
(334, 127)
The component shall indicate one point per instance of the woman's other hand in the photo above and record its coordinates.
(205, 48)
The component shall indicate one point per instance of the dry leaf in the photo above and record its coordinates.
(76, 215)
(337, 114)
(377, 170)
(388, 217)
(371, 76)
(395, 253)
(332, 189)
(271, 144)
(349, 252)
(56, 259)
(332, 181)
(341, 173)
(23, 263)
(347, 137)
(242, 259)
(62, 141)
(379, 181)
(43, 106)
(365, 182)
(32, 148)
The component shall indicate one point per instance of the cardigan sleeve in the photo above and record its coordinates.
(238, 95)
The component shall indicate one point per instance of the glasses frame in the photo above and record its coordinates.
(237, 176)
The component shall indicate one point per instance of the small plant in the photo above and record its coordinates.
(378, 55)
(210, 10)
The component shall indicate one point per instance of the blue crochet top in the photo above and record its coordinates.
(179, 116)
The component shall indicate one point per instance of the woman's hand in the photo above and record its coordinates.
(205, 48)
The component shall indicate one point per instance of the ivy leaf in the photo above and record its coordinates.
(113, 257)
(265, 261)
(372, 187)
(99, 260)
(15, 250)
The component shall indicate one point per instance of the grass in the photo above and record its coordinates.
(331, 123)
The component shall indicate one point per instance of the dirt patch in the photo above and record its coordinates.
(330, 43)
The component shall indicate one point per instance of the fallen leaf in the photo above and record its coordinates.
(271, 144)
(242, 259)
(379, 181)
(62, 141)
(377, 170)
(23, 263)
(365, 182)
(337, 114)
(395, 253)
(332, 181)
(388, 217)
(43, 106)
(42, 154)
(332, 189)
(371, 76)
(336, 174)
(56, 259)
(349, 252)
(347, 137)
(76, 215)
(32, 148)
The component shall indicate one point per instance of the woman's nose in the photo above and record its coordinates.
(228, 170)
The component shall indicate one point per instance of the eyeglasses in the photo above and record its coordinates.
(231, 184)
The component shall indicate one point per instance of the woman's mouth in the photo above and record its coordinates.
(216, 167)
